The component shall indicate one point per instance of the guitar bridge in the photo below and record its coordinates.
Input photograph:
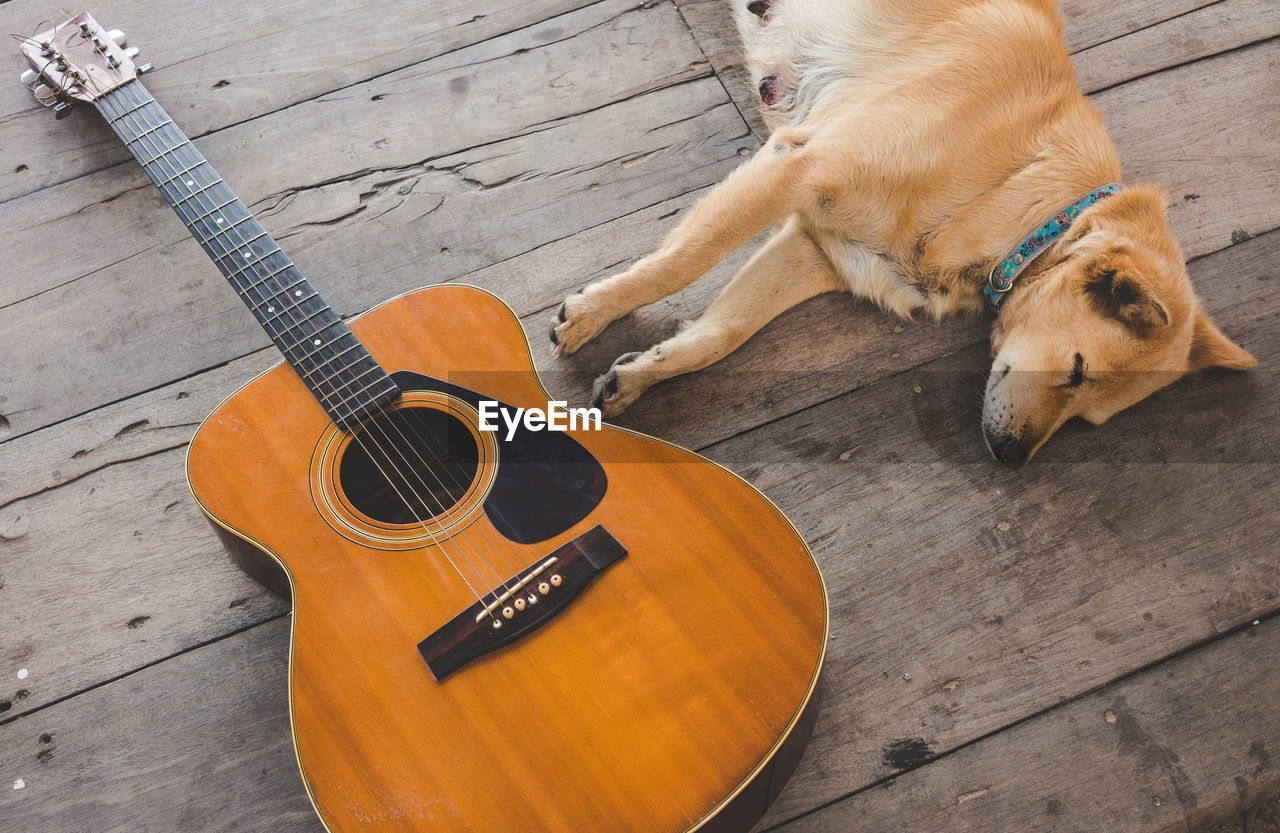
(522, 604)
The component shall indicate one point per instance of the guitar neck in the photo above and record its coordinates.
(344, 378)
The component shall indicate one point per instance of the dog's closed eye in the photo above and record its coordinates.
(1077, 377)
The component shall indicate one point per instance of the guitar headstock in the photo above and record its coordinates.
(77, 59)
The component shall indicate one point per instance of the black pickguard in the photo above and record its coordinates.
(546, 481)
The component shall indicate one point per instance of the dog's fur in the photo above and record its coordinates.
(914, 144)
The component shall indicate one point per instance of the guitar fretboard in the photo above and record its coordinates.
(345, 379)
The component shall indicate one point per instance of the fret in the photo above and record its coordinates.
(217, 233)
(209, 214)
(180, 174)
(287, 296)
(201, 190)
(361, 375)
(260, 283)
(355, 394)
(239, 249)
(280, 318)
(166, 152)
(164, 123)
(313, 333)
(127, 112)
(344, 378)
(306, 343)
(354, 347)
(327, 382)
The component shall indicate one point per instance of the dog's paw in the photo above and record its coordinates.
(579, 319)
(614, 391)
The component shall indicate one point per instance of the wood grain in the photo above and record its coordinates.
(133, 756)
(1188, 745)
(1121, 545)
(110, 573)
(1179, 40)
(240, 61)
(413, 223)
(312, 151)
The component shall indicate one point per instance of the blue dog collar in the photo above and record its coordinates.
(1001, 279)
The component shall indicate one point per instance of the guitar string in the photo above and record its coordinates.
(326, 397)
(513, 565)
(139, 103)
(573, 645)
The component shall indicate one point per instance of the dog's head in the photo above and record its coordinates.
(1111, 320)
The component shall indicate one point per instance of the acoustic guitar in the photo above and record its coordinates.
(583, 630)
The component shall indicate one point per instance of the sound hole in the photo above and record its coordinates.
(409, 465)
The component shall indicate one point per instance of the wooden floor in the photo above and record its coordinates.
(1085, 644)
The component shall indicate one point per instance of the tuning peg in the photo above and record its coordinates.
(117, 36)
(44, 94)
(62, 109)
(145, 68)
(132, 52)
(28, 77)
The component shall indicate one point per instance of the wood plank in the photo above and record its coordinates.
(158, 420)
(1199, 132)
(200, 742)
(967, 596)
(1186, 745)
(312, 149)
(413, 222)
(711, 22)
(1216, 28)
(1087, 24)
(226, 64)
(109, 573)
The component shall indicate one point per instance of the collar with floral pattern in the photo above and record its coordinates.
(1001, 279)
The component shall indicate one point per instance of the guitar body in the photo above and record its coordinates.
(674, 692)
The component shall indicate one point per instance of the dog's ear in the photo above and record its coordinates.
(1115, 287)
(1210, 348)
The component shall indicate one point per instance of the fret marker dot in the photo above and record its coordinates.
(271, 309)
(190, 183)
(246, 254)
(297, 293)
(219, 221)
(316, 342)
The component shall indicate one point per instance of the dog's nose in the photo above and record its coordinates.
(1009, 450)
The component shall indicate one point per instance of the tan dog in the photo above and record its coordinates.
(915, 145)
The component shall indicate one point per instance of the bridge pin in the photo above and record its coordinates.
(507, 612)
(519, 604)
(556, 581)
(544, 588)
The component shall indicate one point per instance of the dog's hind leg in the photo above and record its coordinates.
(764, 190)
(790, 268)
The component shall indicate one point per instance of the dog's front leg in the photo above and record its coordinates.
(790, 268)
(764, 190)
